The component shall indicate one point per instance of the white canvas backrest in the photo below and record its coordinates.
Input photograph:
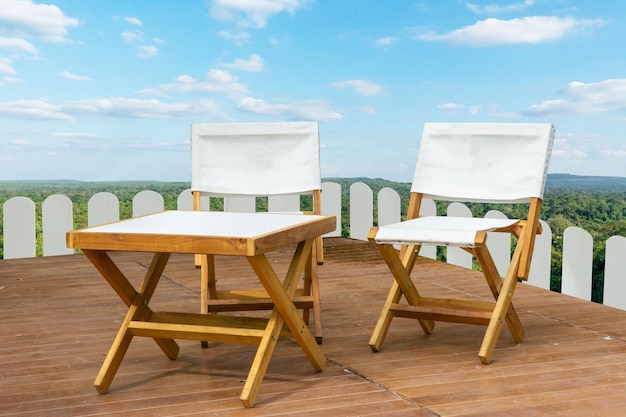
(489, 162)
(257, 159)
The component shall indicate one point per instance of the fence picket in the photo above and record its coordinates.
(185, 200)
(361, 220)
(103, 207)
(56, 221)
(540, 267)
(284, 203)
(577, 263)
(147, 202)
(331, 204)
(457, 256)
(615, 273)
(428, 208)
(499, 244)
(388, 206)
(19, 228)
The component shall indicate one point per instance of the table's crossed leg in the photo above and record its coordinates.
(284, 312)
(199, 327)
(137, 302)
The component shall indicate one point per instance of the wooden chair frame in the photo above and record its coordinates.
(307, 296)
(428, 310)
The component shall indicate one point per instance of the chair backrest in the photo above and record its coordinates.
(255, 159)
(483, 162)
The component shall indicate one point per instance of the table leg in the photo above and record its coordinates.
(137, 302)
(284, 313)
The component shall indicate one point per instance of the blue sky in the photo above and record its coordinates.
(107, 90)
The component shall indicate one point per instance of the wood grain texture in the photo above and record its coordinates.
(59, 317)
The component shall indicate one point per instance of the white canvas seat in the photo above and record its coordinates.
(244, 160)
(501, 163)
(433, 230)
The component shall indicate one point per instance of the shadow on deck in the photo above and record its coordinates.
(59, 318)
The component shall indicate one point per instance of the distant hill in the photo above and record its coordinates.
(561, 182)
(555, 182)
(585, 183)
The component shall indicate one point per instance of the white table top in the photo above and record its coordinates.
(203, 232)
(205, 223)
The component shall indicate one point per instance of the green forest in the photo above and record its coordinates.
(596, 204)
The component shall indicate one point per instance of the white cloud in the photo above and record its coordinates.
(6, 67)
(451, 106)
(32, 109)
(12, 80)
(584, 98)
(17, 45)
(389, 40)
(494, 111)
(568, 146)
(147, 51)
(472, 109)
(362, 87)
(254, 63)
(69, 76)
(23, 18)
(563, 153)
(134, 36)
(238, 38)
(217, 81)
(368, 109)
(143, 51)
(305, 110)
(120, 107)
(499, 8)
(615, 153)
(72, 135)
(141, 109)
(133, 21)
(532, 29)
(221, 77)
(252, 13)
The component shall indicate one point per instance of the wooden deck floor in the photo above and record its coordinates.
(58, 318)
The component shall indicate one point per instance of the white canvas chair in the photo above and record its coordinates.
(495, 163)
(256, 160)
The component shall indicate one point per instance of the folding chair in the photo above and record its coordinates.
(494, 163)
(248, 160)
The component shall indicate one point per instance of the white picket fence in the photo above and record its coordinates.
(20, 238)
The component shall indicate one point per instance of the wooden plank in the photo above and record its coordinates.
(195, 332)
(459, 311)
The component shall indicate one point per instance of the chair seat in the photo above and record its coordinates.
(439, 230)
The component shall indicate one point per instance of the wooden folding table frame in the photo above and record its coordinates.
(251, 235)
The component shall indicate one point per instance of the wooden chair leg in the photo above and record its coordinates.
(307, 289)
(495, 285)
(401, 266)
(501, 313)
(208, 287)
(314, 291)
(503, 293)
(311, 288)
(385, 318)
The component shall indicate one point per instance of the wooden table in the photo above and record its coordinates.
(251, 235)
